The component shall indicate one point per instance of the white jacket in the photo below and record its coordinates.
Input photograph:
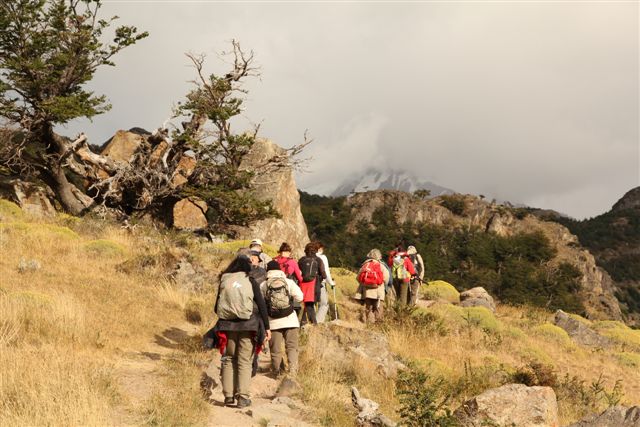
(291, 321)
(324, 259)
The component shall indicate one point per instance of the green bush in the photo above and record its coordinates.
(455, 203)
(9, 210)
(103, 247)
(441, 290)
(554, 333)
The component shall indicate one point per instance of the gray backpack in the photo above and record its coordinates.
(235, 297)
(278, 299)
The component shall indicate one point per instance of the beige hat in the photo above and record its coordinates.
(256, 242)
(411, 250)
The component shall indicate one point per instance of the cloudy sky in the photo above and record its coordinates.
(535, 102)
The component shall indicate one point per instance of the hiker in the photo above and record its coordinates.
(322, 294)
(416, 281)
(402, 271)
(312, 269)
(287, 264)
(372, 278)
(258, 272)
(242, 328)
(280, 293)
(256, 245)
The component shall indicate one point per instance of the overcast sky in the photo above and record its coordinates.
(535, 102)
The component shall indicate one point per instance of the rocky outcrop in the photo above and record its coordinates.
(597, 289)
(369, 414)
(33, 199)
(477, 297)
(122, 146)
(511, 405)
(616, 416)
(279, 186)
(580, 332)
(189, 214)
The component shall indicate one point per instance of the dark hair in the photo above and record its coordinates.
(284, 247)
(310, 249)
(319, 245)
(273, 265)
(400, 248)
(239, 264)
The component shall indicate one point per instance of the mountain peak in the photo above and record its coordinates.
(631, 200)
(376, 179)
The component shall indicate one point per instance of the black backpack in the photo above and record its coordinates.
(309, 268)
(416, 264)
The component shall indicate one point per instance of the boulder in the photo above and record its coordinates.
(580, 332)
(511, 405)
(368, 415)
(288, 387)
(184, 169)
(187, 277)
(189, 214)
(122, 146)
(615, 416)
(477, 297)
(279, 186)
(33, 199)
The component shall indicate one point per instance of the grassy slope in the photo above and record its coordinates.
(67, 327)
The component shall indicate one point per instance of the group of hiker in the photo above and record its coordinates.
(264, 300)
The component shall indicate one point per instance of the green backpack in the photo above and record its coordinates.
(398, 271)
(235, 297)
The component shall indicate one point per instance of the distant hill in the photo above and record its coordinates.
(375, 179)
(614, 239)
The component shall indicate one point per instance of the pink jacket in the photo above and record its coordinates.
(290, 267)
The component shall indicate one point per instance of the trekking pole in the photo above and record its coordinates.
(335, 303)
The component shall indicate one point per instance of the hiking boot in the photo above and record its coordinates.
(229, 401)
(243, 402)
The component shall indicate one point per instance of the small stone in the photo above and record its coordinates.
(29, 265)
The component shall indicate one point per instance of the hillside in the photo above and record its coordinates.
(614, 239)
(468, 242)
(101, 325)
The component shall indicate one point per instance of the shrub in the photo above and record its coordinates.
(554, 333)
(441, 290)
(103, 247)
(629, 359)
(455, 203)
(422, 400)
(9, 210)
(535, 374)
(619, 332)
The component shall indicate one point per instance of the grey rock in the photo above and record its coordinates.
(580, 332)
(33, 199)
(288, 387)
(477, 297)
(28, 265)
(187, 277)
(616, 416)
(511, 405)
(369, 414)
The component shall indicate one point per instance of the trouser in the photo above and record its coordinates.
(402, 291)
(289, 338)
(309, 313)
(236, 364)
(373, 310)
(323, 304)
(414, 290)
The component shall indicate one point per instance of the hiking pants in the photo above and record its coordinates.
(413, 292)
(373, 310)
(288, 338)
(402, 291)
(309, 313)
(236, 364)
(323, 305)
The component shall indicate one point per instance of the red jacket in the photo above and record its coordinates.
(290, 267)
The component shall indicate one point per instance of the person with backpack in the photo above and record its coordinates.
(402, 271)
(280, 293)
(242, 328)
(372, 278)
(416, 281)
(263, 258)
(312, 269)
(287, 264)
(322, 294)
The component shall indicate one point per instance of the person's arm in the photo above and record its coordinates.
(327, 270)
(296, 270)
(321, 269)
(409, 266)
(262, 306)
(295, 291)
(421, 262)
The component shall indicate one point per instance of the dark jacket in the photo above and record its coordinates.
(260, 314)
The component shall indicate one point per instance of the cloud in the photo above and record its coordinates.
(535, 102)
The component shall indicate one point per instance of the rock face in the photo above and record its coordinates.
(477, 297)
(579, 332)
(597, 289)
(279, 186)
(122, 146)
(616, 416)
(189, 214)
(369, 414)
(33, 199)
(511, 405)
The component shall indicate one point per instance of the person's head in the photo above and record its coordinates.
(256, 245)
(240, 263)
(285, 250)
(254, 257)
(411, 250)
(310, 249)
(400, 248)
(319, 247)
(375, 254)
(273, 265)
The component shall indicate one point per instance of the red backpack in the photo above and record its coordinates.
(370, 274)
